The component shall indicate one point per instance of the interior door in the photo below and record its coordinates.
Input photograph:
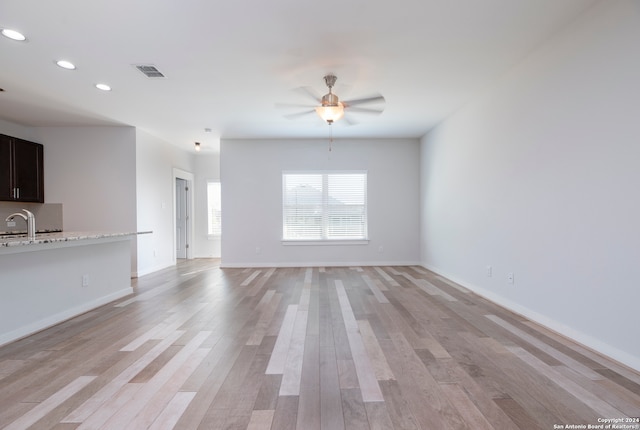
(182, 216)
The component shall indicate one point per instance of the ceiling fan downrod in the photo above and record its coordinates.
(330, 99)
(330, 109)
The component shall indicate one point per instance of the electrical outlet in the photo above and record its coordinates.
(11, 223)
(510, 278)
(380, 249)
(258, 250)
(85, 280)
(489, 271)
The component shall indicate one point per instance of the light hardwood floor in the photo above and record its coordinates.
(199, 347)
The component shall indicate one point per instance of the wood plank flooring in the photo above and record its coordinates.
(335, 348)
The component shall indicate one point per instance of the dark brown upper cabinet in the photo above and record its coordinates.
(21, 170)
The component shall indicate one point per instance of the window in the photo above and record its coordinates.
(324, 206)
(214, 209)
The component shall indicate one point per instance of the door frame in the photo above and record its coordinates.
(187, 176)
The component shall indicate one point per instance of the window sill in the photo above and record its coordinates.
(324, 242)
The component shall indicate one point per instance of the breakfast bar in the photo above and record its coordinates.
(56, 276)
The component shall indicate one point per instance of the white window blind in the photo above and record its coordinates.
(324, 206)
(214, 209)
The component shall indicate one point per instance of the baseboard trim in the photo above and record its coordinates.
(225, 265)
(585, 340)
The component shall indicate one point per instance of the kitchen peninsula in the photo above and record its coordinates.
(57, 276)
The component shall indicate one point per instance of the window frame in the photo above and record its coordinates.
(325, 240)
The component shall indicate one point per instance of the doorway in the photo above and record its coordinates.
(182, 217)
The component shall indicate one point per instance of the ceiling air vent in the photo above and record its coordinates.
(150, 71)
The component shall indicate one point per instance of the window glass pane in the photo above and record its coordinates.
(302, 207)
(214, 208)
(324, 206)
(348, 189)
(346, 206)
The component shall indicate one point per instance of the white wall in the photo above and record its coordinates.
(91, 171)
(16, 130)
(540, 177)
(207, 169)
(251, 174)
(41, 285)
(156, 160)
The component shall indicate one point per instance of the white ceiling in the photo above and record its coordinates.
(228, 63)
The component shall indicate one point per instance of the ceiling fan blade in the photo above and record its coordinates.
(309, 92)
(299, 114)
(373, 99)
(348, 120)
(372, 111)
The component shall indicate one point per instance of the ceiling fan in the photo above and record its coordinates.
(331, 109)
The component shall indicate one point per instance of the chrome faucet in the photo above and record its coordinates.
(29, 218)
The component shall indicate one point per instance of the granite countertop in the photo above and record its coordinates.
(20, 240)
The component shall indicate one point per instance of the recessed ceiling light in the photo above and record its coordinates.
(103, 87)
(66, 64)
(13, 35)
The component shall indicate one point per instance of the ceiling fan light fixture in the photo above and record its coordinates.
(330, 109)
(330, 113)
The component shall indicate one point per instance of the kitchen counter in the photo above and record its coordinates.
(57, 276)
(42, 238)
(20, 243)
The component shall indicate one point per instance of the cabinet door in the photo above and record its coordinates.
(28, 172)
(6, 174)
